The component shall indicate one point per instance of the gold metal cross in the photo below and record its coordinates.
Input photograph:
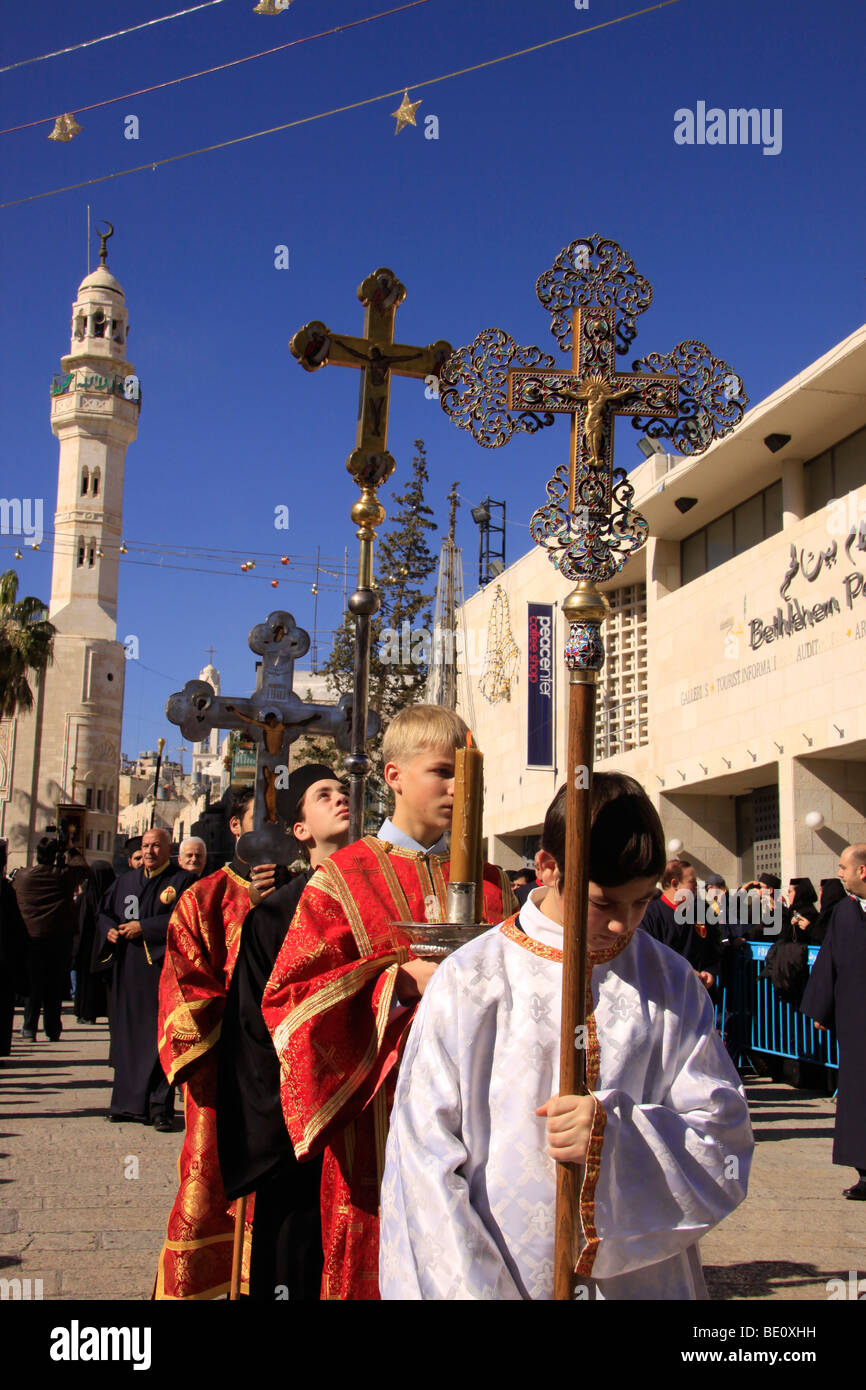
(377, 356)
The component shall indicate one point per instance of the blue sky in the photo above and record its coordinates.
(760, 256)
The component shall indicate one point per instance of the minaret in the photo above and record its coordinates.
(68, 748)
(95, 417)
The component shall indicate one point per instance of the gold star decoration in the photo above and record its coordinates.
(405, 112)
(65, 127)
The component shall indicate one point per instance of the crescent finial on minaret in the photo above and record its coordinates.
(103, 237)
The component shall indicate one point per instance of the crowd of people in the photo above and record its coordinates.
(362, 1123)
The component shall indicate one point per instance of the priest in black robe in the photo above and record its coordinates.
(131, 935)
(834, 998)
(255, 1151)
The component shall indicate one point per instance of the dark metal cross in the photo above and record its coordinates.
(275, 717)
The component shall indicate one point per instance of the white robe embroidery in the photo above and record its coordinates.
(468, 1195)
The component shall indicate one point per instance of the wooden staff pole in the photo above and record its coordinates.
(584, 609)
(238, 1249)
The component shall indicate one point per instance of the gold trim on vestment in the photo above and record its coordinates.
(402, 910)
(236, 878)
(340, 1096)
(155, 873)
(351, 913)
(181, 1245)
(516, 934)
(440, 882)
(406, 853)
(326, 998)
(191, 1053)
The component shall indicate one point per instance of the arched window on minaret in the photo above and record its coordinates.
(81, 549)
(94, 483)
(85, 474)
(91, 553)
(98, 324)
(116, 331)
(78, 326)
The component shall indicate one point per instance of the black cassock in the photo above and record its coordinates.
(91, 993)
(255, 1151)
(140, 1086)
(836, 997)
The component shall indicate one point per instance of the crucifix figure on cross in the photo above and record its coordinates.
(376, 355)
(279, 717)
(495, 388)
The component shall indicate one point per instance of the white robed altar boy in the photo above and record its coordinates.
(469, 1189)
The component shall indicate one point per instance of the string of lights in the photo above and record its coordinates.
(286, 565)
(103, 38)
(219, 67)
(153, 165)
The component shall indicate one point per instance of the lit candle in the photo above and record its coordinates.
(466, 817)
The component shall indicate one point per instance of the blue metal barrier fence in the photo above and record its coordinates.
(753, 1018)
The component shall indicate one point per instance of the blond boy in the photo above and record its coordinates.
(345, 987)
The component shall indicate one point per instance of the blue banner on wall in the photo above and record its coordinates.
(539, 742)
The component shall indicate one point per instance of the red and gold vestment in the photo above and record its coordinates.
(339, 1031)
(204, 935)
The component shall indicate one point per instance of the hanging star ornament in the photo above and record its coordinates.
(405, 112)
(65, 127)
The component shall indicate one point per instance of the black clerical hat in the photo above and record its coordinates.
(289, 798)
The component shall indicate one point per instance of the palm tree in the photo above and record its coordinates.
(26, 645)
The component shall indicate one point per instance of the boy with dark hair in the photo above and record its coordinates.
(468, 1197)
(255, 1151)
(345, 984)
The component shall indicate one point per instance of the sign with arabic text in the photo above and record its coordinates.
(129, 387)
(810, 563)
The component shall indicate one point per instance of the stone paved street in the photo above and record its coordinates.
(84, 1203)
